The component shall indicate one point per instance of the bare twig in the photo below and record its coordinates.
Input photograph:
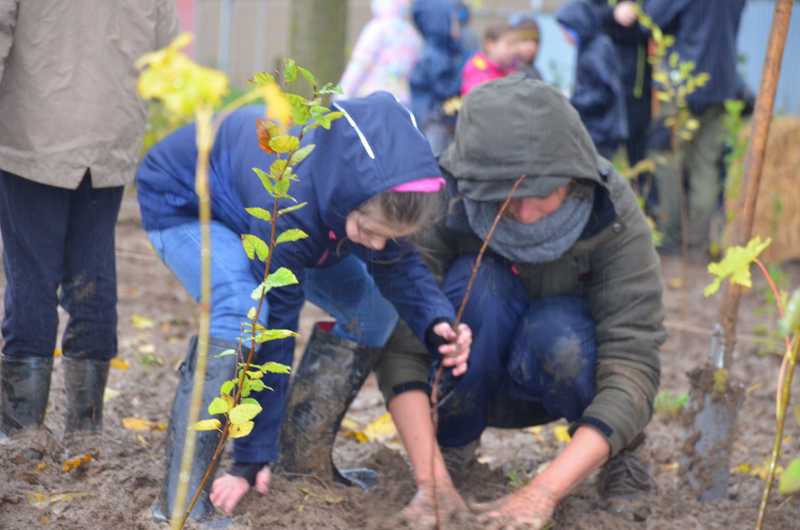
(205, 139)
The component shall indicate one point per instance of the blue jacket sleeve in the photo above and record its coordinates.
(404, 280)
(664, 12)
(284, 305)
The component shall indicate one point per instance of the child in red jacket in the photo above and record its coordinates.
(495, 61)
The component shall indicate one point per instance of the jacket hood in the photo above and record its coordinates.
(518, 126)
(390, 8)
(580, 18)
(374, 147)
(434, 20)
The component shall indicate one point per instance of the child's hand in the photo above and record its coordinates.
(626, 13)
(455, 353)
(228, 489)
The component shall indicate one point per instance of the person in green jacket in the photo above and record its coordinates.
(566, 308)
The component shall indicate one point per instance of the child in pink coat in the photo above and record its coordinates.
(495, 61)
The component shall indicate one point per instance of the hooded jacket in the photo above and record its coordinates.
(598, 94)
(705, 34)
(387, 49)
(517, 126)
(68, 99)
(437, 75)
(373, 148)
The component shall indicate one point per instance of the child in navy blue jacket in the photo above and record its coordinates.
(598, 95)
(371, 179)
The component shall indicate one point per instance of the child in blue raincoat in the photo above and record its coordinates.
(371, 180)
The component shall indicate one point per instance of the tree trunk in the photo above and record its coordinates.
(318, 37)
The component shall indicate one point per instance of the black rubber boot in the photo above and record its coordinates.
(329, 377)
(25, 387)
(84, 384)
(218, 371)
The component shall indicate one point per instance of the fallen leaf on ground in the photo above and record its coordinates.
(41, 466)
(140, 424)
(77, 462)
(110, 394)
(118, 363)
(675, 283)
(141, 321)
(40, 499)
(141, 439)
(381, 429)
(57, 352)
(672, 468)
(758, 470)
(561, 433)
(147, 348)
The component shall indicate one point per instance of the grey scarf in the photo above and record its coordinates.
(545, 240)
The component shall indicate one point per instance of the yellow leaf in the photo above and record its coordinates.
(118, 363)
(57, 352)
(141, 322)
(240, 430)
(139, 424)
(561, 433)
(736, 265)
(671, 468)
(742, 469)
(39, 499)
(243, 413)
(207, 425)
(381, 429)
(41, 466)
(358, 436)
(77, 462)
(349, 424)
(675, 283)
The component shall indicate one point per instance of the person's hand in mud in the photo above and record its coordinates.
(455, 352)
(431, 508)
(228, 490)
(529, 508)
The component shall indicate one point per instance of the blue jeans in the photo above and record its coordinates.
(345, 290)
(532, 360)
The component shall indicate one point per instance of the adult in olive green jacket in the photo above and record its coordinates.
(71, 125)
(567, 307)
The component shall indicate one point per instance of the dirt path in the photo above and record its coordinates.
(156, 320)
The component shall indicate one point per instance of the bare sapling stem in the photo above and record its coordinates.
(784, 394)
(440, 370)
(205, 139)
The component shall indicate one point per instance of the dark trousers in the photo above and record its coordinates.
(59, 249)
(532, 360)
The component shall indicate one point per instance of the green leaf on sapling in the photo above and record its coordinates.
(274, 334)
(254, 246)
(736, 265)
(260, 213)
(276, 368)
(301, 154)
(281, 278)
(284, 143)
(790, 478)
(292, 234)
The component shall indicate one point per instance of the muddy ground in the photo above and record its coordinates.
(156, 319)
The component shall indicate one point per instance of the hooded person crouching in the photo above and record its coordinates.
(566, 308)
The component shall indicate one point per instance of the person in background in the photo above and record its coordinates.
(619, 21)
(495, 61)
(705, 34)
(527, 38)
(598, 95)
(386, 51)
(468, 38)
(71, 131)
(436, 77)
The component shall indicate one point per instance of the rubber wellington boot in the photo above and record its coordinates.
(25, 387)
(329, 377)
(84, 383)
(218, 371)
